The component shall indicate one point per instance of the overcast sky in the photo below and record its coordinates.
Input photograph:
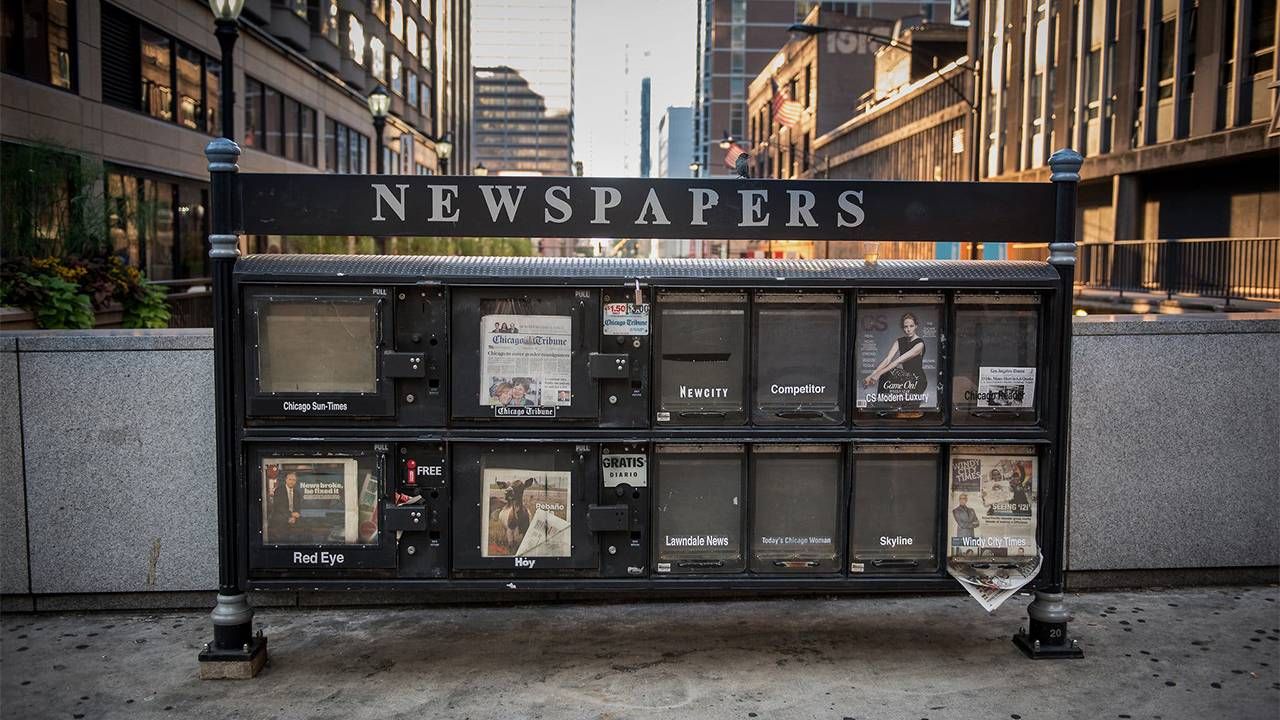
(618, 43)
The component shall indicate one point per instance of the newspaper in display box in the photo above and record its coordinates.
(526, 364)
(991, 521)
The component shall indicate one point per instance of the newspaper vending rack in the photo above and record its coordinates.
(524, 424)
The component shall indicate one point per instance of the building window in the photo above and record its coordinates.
(397, 19)
(411, 36)
(377, 59)
(347, 150)
(378, 8)
(148, 71)
(425, 57)
(278, 124)
(38, 41)
(397, 76)
(424, 107)
(355, 40)
(411, 85)
(157, 70)
(157, 224)
(190, 87)
(326, 20)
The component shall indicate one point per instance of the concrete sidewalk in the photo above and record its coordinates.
(1202, 653)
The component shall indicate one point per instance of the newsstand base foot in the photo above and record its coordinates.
(1048, 638)
(242, 664)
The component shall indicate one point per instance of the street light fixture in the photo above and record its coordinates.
(694, 168)
(226, 21)
(444, 148)
(726, 141)
(233, 638)
(481, 170)
(379, 106)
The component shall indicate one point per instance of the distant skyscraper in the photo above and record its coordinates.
(513, 130)
(523, 52)
(644, 127)
(736, 39)
(675, 142)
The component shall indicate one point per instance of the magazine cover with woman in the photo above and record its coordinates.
(897, 355)
(526, 513)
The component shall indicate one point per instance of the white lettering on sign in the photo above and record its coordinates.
(505, 204)
(383, 193)
(557, 198)
(320, 557)
(606, 197)
(525, 562)
(703, 393)
(431, 470)
(625, 469)
(703, 199)
(896, 541)
(313, 406)
(395, 201)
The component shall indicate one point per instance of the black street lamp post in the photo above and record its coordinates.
(235, 651)
(379, 106)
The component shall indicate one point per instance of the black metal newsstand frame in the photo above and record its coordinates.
(263, 204)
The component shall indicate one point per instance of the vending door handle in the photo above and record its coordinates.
(899, 563)
(608, 366)
(608, 518)
(701, 414)
(796, 563)
(700, 563)
(798, 414)
(404, 365)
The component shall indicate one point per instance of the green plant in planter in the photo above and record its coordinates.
(146, 307)
(53, 301)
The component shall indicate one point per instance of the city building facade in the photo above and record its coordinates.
(675, 142)
(133, 85)
(1173, 103)
(523, 54)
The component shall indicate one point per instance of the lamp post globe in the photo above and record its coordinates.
(226, 9)
(444, 148)
(481, 170)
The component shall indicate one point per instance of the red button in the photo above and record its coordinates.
(413, 466)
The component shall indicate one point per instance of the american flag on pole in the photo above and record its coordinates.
(732, 154)
(785, 110)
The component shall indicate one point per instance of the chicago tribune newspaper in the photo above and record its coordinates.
(897, 353)
(991, 520)
(526, 364)
(526, 513)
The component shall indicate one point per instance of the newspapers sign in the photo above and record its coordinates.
(526, 364)
(991, 520)
(681, 208)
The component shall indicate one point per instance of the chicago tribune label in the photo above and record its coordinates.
(626, 319)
